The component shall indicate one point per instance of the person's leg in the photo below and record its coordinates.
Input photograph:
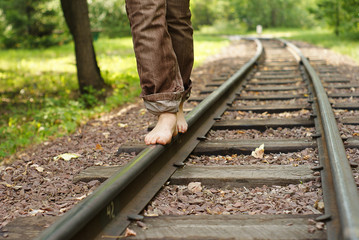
(161, 82)
(181, 32)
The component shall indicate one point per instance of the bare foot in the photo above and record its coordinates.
(164, 131)
(182, 125)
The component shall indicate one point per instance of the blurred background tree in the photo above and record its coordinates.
(30, 23)
(109, 17)
(40, 23)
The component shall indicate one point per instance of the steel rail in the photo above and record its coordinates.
(106, 211)
(346, 192)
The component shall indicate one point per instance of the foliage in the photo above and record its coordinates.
(30, 23)
(109, 17)
(39, 94)
(268, 13)
(343, 44)
(342, 15)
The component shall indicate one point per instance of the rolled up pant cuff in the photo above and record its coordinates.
(165, 102)
(161, 106)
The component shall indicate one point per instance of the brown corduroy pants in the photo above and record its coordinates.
(163, 44)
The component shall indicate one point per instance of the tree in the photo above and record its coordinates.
(331, 11)
(77, 19)
(28, 23)
(109, 17)
(351, 15)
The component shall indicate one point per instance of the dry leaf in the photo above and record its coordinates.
(38, 168)
(320, 206)
(143, 111)
(15, 187)
(123, 125)
(67, 156)
(36, 211)
(81, 197)
(99, 147)
(259, 152)
(129, 232)
(319, 225)
(194, 187)
(106, 134)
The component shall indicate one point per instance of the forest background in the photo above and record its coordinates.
(39, 91)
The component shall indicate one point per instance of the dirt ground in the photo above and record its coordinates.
(39, 184)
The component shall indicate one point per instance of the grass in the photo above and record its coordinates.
(39, 90)
(344, 44)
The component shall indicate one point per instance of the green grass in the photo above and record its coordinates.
(345, 44)
(39, 90)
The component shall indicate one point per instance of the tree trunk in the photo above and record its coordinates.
(337, 15)
(77, 19)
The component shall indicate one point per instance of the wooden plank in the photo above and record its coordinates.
(352, 142)
(239, 176)
(277, 68)
(195, 99)
(27, 227)
(343, 86)
(241, 226)
(259, 97)
(280, 64)
(270, 97)
(336, 80)
(271, 108)
(212, 85)
(222, 78)
(240, 146)
(219, 176)
(100, 173)
(278, 77)
(349, 106)
(275, 88)
(350, 120)
(246, 146)
(264, 72)
(262, 123)
(277, 71)
(207, 90)
(269, 82)
(343, 95)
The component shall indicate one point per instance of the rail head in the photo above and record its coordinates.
(102, 201)
(344, 184)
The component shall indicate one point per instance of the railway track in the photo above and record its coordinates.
(278, 94)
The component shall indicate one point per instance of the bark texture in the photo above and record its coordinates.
(77, 19)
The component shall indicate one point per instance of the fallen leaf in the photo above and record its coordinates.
(81, 197)
(320, 206)
(38, 168)
(36, 211)
(106, 134)
(129, 232)
(258, 152)
(11, 186)
(143, 111)
(99, 147)
(194, 187)
(319, 225)
(67, 156)
(123, 125)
